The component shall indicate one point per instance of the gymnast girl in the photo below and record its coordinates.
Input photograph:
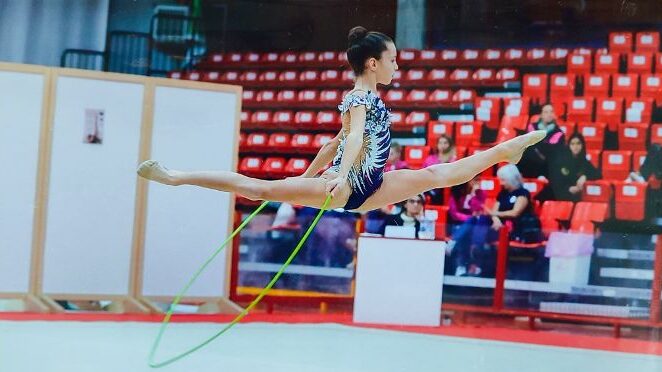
(356, 180)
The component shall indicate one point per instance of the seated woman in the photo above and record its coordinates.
(412, 213)
(568, 171)
(469, 226)
(513, 205)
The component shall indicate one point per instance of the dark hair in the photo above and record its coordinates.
(363, 45)
(459, 191)
(582, 154)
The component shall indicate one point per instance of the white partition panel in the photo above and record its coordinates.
(21, 96)
(91, 198)
(193, 130)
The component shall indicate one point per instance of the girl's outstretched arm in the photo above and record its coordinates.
(324, 156)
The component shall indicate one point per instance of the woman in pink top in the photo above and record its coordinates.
(444, 152)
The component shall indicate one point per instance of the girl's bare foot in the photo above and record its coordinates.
(514, 148)
(152, 170)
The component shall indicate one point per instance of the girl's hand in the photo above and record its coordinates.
(496, 223)
(336, 184)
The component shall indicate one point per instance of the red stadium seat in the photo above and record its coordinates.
(274, 167)
(269, 59)
(212, 77)
(178, 75)
(630, 201)
(322, 139)
(567, 127)
(328, 119)
(594, 134)
(537, 56)
(256, 141)
(327, 58)
(262, 118)
(415, 155)
(440, 97)
(305, 119)
(330, 97)
(467, 133)
(580, 109)
(307, 59)
(594, 157)
(597, 191)
(417, 118)
(330, 78)
(492, 56)
(488, 109)
(597, 85)
(415, 77)
(514, 56)
(251, 165)
(268, 78)
(437, 76)
(640, 63)
(516, 107)
(309, 97)
(638, 110)
(559, 54)
(632, 136)
(470, 57)
(296, 166)
(245, 117)
(651, 86)
(449, 57)
(460, 76)
(647, 41)
(279, 141)
(610, 111)
(552, 213)
(616, 164)
(436, 129)
(562, 87)
(579, 64)
(586, 214)
(249, 78)
(624, 85)
(309, 78)
(507, 74)
(407, 57)
(620, 42)
(396, 97)
(231, 77)
(286, 97)
(289, 78)
(534, 185)
(233, 58)
(606, 63)
(417, 97)
(463, 96)
(194, 76)
(266, 97)
(428, 57)
(484, 76)
(301, 141)
(438, 214)
(638, 158)
(283, 118)
(491, 186)
(288, 58)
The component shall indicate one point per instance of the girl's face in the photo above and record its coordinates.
(413, 206)
(386, 66)
(575, 146)
(443, 145)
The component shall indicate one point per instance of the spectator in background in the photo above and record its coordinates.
(412, 213)
(514, 205)
(469, 226)
(443, 152)
(394, 160)
(651, 172)
(536, 158)
(568, 171)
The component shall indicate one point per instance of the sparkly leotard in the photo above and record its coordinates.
(367, 173)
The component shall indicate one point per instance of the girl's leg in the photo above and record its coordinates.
(296, 190)
(401, 184)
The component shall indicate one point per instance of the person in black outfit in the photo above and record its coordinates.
(536, 158)
(568, 171)
(412, 212)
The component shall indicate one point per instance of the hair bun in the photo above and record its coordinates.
(357, 34)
